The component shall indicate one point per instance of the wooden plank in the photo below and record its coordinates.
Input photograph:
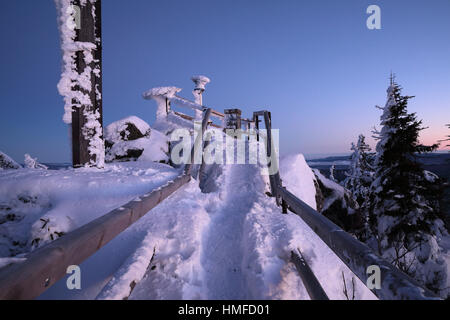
(274, 179)
(46, 265)
(197, 142)
(184, 116)
(357, 255)
(217, 114)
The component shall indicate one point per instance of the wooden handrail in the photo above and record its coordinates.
(353, 253)
(312, 285)
(46, 265)
(189, 118)
(217, 114)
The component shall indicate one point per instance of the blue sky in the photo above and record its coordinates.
(313, 64)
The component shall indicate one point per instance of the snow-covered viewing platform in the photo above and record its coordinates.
(148, 191)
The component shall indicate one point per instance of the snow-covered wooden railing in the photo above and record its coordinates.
(48, 264)
(312, 285)
(166, 98)
(355, 254)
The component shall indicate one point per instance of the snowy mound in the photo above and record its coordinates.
(299, 178)
(132, 138)
(130, 128)
(39, 206)
(7, 162)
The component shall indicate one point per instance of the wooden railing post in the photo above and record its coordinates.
(198, 142)
(233, 119)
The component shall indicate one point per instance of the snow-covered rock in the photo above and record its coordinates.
(6, 162)
(132, 138)
(337, 204)
(320, 193)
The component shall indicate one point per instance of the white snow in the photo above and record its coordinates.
(7, 261)
(233, 243)
(70, 78)
(112, 131)
(166, 92)
(74, 86)
(299, 178)
(48, 202)
(230, 243)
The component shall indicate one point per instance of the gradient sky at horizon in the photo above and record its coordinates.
(313, 64)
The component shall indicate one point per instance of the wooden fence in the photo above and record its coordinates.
(355, 254)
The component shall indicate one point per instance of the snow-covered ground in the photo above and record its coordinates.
(230, 243)
(233, 243)
(36, 205)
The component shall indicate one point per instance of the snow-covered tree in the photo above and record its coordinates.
(404, 218)
(32, 163)
(359, 176)
(332, 169)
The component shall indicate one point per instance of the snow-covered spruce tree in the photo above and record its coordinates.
(359, 176)
(404, 218)
(32, 163)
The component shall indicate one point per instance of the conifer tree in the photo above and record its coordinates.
(404, 219)
(359, 176)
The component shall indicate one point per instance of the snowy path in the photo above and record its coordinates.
(223, 253)
(232, 243)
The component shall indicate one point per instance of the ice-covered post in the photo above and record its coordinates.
(200, 83)
(162, 96)
(81, 80)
